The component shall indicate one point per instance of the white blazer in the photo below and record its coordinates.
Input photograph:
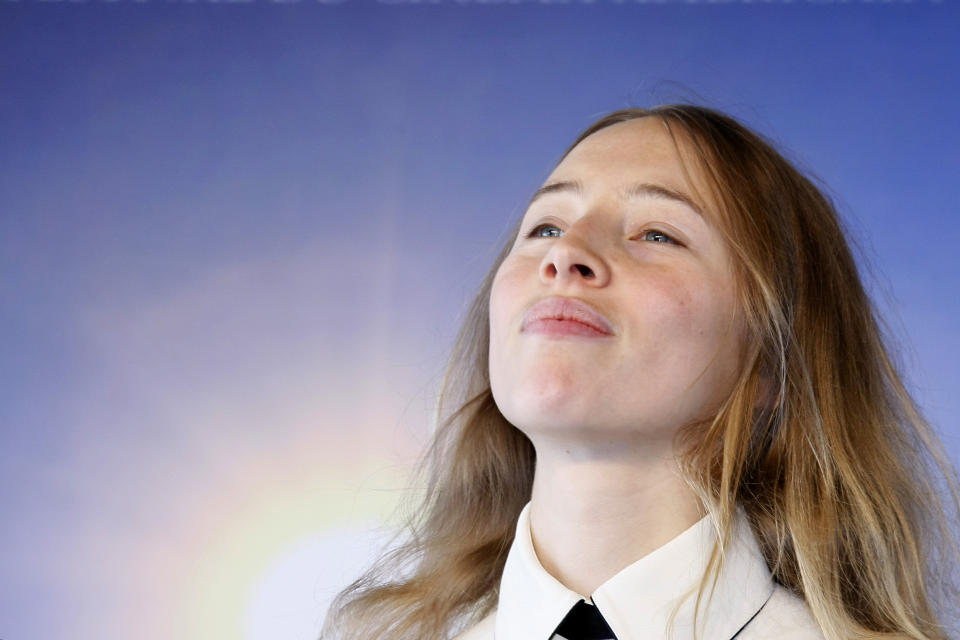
(637, 601)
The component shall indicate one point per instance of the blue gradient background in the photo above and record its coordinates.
(236, 241)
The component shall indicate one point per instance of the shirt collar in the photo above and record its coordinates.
(637, 601)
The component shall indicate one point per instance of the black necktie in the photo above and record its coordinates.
(584, 622)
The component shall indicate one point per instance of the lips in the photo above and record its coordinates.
(567, 309)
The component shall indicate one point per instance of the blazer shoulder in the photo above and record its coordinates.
(482, 630)
(785, 616)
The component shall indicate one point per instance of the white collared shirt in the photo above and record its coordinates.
(637, 601)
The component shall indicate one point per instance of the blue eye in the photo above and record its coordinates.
(665, 238)
(534, 233)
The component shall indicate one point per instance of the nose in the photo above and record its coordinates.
(571, 259)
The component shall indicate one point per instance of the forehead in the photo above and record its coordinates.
(625, 139)
(636, 150)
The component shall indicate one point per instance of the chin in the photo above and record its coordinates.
(541, 416)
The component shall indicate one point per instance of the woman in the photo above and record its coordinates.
(674, 415)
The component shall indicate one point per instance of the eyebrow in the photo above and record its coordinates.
(636, 190)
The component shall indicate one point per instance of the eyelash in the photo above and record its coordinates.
(533, 233)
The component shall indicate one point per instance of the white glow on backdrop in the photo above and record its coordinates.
(226, 438)
(285, 600)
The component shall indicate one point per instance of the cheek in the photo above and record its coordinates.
(498, 300)
(498, 371)
(503, 298)
(705, 320)
(505, 295)
(669, 305)
(690, 319)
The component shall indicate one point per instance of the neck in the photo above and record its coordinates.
(590, 517)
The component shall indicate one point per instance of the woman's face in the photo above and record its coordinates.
(610, 229)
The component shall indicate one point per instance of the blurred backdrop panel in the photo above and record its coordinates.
(237, 239)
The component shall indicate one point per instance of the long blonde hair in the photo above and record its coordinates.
(846, 486)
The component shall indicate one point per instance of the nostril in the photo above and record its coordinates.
(585, 271)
